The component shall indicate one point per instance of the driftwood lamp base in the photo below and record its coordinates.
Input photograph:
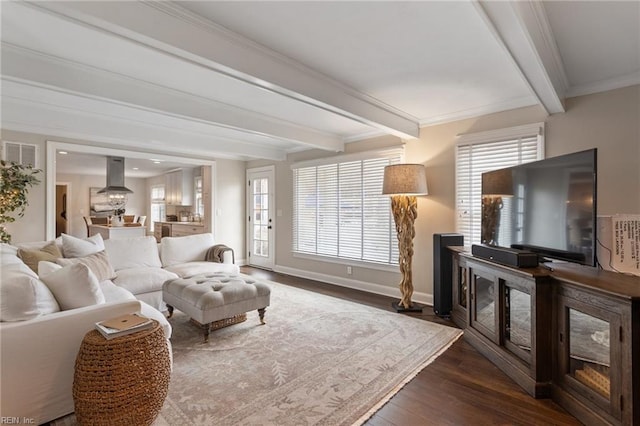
(405, 211)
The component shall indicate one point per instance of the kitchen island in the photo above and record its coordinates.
(117, 231)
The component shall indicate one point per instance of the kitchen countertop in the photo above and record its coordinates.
(181, 223)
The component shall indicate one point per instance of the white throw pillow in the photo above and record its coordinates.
(18, 299)
(192, 248)
(45, 267)
(78, 247)
(126, 253)
(74, 286)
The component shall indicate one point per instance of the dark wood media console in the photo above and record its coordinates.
(570, 333)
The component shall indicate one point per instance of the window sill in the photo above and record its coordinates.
(348, 262)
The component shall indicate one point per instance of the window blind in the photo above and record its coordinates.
(339, 212)
(476, 154)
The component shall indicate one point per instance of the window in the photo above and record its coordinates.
(199, 199)
(338, 209)
(482, 152)
(158, 206)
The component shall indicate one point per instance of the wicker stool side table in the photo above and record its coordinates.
(122, 381)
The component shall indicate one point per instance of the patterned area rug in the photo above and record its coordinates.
(318, 361)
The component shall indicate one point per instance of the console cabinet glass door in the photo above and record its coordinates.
(459, 311)
(517, 320)
(484, 303)
(589, 364)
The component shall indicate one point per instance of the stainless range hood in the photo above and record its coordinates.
(115, 177)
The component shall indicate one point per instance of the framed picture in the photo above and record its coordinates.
(99, 203)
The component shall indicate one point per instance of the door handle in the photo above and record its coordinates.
(269, 227)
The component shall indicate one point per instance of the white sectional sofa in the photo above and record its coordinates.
(40, 334)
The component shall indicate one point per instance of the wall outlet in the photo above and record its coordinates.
(349, 270)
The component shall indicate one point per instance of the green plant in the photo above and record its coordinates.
(15, 182)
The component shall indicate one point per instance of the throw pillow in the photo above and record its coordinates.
(45, 268)
(97, 262)
(18, 299)
(50, 252)
(78, 247)
(74, 286)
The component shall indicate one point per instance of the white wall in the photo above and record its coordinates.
(229, 206)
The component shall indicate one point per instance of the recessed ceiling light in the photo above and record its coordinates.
(157, 162)
(136, 168)
(62, 152)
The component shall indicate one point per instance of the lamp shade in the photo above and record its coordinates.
(497, 182)
(405, 179)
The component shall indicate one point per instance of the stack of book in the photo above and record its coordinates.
(123, 325)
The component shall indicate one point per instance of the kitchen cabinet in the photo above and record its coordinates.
(179, 187)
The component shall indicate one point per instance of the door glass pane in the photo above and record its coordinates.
(485, 305)
(589, 351)
(518, 317)
(261, 217)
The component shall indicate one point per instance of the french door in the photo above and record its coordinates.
(261, 225)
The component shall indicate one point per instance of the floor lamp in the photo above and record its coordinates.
(404, 182)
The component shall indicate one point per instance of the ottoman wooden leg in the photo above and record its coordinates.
(261, 314)
(206, 328)
(170, 308)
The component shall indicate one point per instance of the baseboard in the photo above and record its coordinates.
(419, 297)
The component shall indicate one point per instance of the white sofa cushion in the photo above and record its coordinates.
(74, 286)
(113, 293)
(125, 253)
(194, 268)
(23, 295)
(78, 247)
(143, 280)
(97, 262)
(192, 248)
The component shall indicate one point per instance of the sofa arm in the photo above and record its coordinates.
(37, 360)
(220, 253)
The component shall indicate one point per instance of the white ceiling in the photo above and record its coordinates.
(252, 80)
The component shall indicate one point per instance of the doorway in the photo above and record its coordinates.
(260, 225)
(63, 191)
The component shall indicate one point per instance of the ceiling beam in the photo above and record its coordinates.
(47, 111)
(524, 32)
(100, 85)
(167, 27)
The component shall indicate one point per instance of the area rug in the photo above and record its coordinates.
(317, 361)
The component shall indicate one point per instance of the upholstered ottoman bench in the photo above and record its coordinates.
(211, 298)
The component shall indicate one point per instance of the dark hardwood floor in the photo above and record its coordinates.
(461, 387)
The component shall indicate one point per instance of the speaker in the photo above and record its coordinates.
(442, 265)
(506, 256)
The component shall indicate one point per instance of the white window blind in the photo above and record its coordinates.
(483, 152)
(339, 212)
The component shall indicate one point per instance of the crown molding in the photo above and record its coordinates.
(479, 111)
(605, 85)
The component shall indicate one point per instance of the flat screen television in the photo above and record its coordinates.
(546, 206)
